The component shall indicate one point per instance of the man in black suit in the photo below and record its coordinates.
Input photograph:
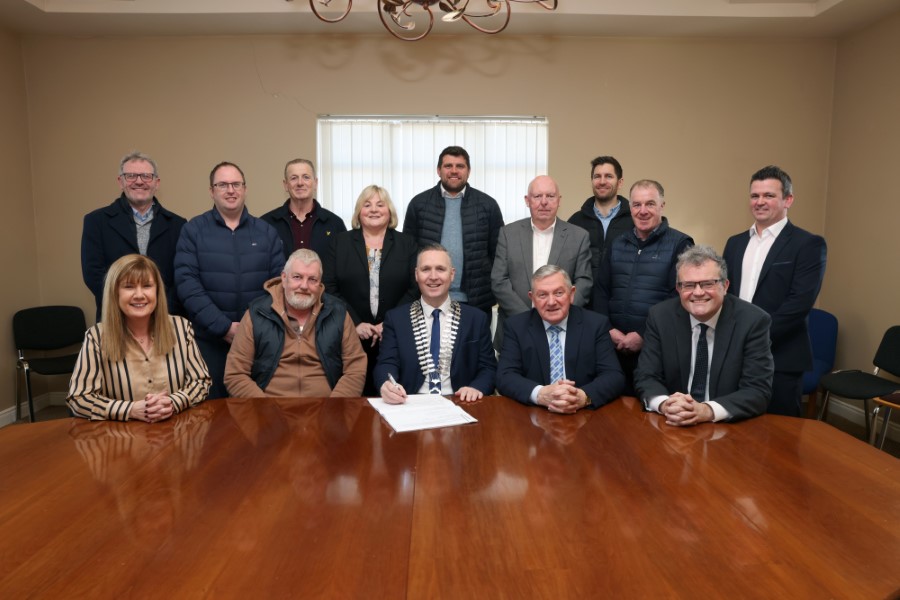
(135, 223)
(435, 345)
(558, 355)
(779, 267)
(706, 354)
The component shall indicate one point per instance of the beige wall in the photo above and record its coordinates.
(18, 241)
(699, 115)
(863, 287)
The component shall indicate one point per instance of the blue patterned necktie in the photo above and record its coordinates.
(434, 379)
(557, 365)
(701, 366)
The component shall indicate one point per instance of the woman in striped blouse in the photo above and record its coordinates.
(139, 363)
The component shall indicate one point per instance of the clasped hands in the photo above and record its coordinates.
(562, 397)
(681, 410)
(153, 408)
(368, 331)
(393, 393)
(631, 342)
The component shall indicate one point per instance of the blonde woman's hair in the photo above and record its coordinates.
(133, 268)
(368, 192)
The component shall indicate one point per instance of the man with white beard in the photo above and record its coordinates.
(296, 341)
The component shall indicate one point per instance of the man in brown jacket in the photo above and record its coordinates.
(296, 341)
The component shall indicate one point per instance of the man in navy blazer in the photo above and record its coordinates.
(435, 344)
(731, 377)
(779, 267)
(135, 223)
(583, 373)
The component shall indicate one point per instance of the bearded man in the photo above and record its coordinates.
(296, 341)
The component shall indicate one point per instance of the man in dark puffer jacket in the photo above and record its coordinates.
(463, 220)
(638, 272)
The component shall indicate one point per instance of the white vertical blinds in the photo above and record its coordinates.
(400, 154)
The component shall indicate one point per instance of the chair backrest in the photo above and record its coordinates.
(48, 327)
(888, 356)
(823, 331)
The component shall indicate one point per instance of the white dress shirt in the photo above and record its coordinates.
(427, 309)
(541, 241)
(755, 255)
(562, 342)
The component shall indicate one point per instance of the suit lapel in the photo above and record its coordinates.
(539, 343)
(723, 335)
(527, 248)
(683, 345)
(574, 331)
(737, 266)
(359, 250)
(778, 246)
(560, 232)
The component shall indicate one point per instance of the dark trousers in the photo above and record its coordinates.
(215, 352)
(787, 388)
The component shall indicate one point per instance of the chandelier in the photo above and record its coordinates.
(397, 18)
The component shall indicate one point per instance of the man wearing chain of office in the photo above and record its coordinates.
(435, 345)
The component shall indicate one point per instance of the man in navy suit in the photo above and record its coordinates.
(706, 354)
(779, 267)
(558, 355)
(435, 344)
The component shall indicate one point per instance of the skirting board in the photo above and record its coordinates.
(8, 416)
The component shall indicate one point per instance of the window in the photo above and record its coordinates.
(400, 154)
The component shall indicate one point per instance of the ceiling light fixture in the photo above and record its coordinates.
(396, 17)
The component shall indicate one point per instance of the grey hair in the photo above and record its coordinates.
(135, 155)
(305, 256)
(549, 271)
(696, 256)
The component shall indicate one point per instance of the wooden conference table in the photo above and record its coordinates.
(318, 498)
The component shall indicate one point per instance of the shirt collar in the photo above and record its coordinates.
(562, 324)
(772, 230)
(712, 321)
(428, 309)
(612, 213)
(547, 231)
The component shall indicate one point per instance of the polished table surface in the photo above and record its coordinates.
(319, 498)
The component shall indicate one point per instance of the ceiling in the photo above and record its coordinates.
(714, 18)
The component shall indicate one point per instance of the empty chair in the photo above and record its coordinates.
(859, 385)
(823, 330)
(45, 328)
(890, 402)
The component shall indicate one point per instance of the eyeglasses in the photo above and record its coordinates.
(690, 286)
(223, 186)
(549, 197)
(145, 177)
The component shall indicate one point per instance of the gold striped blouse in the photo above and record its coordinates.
(101, 389)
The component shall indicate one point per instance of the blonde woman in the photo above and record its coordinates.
(139, 363)
(372, 269)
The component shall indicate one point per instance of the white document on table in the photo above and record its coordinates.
(421, 411)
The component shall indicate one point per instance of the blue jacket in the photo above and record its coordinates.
(219, 271)
(637, 274)
(109, 233)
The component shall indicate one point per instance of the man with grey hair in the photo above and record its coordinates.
(706, 354)
(558, 355)
(135, 223)
(637, 272)
(301, 222)
(296, 341)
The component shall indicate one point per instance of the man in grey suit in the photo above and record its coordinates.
(706, 354)
(528, 244)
